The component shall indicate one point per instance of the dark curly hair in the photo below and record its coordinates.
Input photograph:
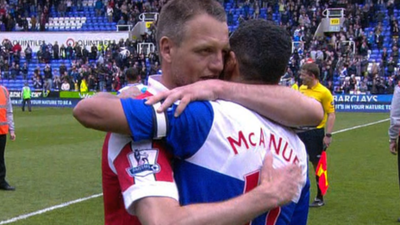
(262, 49)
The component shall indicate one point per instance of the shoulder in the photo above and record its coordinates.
(324, 90)
(223, 105)
(115, 142)
(198, 115)
(144, 95)
(228, 111)
(397, 90)
(197, 107)
(302, 87)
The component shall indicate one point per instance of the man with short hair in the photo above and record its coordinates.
(134, 80)
(316, 140)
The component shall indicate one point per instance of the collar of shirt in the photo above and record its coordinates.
(134, 84)
(155, 86)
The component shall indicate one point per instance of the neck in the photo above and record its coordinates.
(166, 78)
(313, 83)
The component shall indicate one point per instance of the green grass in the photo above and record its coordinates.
(362, 175)
(55, 160)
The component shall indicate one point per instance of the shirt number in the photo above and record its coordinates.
(251, 181)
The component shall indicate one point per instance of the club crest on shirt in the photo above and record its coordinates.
(143, 162)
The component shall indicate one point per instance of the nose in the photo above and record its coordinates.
(216, 63)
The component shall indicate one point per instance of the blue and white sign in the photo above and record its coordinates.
(46, 102)
(362, 103)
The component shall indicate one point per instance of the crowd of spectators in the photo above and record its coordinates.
(344, 57)
(99, 69)
(32, 15)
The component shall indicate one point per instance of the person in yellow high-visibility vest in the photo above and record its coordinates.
(83, 87)
(6, 126)
(26, 97)
(317, 140)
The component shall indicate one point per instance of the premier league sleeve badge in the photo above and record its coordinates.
(143, 162)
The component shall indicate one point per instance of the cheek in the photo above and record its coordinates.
(182, 72)
(189, 73)
(194, 69)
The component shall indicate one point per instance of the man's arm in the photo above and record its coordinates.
(277, 188)
(394, 127)
(329, 128)
(328, 105)
(330, 122)
(102, 112)
(10, 119)
(281, 104)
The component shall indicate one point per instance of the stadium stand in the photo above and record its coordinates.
(361, 57)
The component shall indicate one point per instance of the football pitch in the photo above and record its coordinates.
(55, 166)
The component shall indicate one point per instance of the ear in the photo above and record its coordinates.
(165, 49)
(231, 67)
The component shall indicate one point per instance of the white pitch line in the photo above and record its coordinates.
(98, 195)
(21, 217)
(356, 127)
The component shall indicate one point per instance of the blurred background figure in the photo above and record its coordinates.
(6, 126)
(26, 97)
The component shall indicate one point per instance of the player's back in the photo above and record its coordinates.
(219, 148)
(225, 161)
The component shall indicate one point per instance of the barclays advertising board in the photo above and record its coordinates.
(362, 103)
